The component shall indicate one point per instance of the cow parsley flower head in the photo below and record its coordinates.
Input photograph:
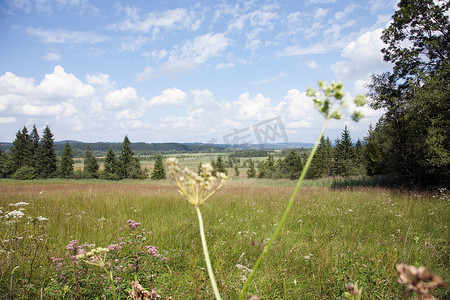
(196, 187)
(15, 214)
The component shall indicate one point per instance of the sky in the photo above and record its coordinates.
(185, 71)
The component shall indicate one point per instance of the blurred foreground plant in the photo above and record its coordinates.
(197, 188)
(329, 101)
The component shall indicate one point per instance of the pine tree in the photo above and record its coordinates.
(91, 165)
(220, 166)
(6, 164)
(34, 139)
(65, 167)
(126, 159)
(292, 165)
(21, 150)
(159, 172)
(110, 165)
(46, 163)
(236, 170)
(344, 155)
(251, 172)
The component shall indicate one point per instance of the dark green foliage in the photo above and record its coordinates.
(268, 169)
(6, 165)
(251, 172)
(25, 173)
(110, 164)
(159, 172)
(21, 150)
(129, 167)
(220, 165)
(415, 96)
(46, 161)
(34, 145)
(345, 157)
(65, 167)
(322, 163)
(292, 165)
(236, 170)
(214, 166)
(91, 165)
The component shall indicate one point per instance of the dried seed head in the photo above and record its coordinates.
(420, 280)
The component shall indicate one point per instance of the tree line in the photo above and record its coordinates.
(32, 157)
(345, 158)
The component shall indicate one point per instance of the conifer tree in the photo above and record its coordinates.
(21, 150)
(344, 155)
(236, 170)
(46, 163)
(159, 172)
(126, 159)
(91, 165)
(220, 166)
(34, 145)
(110, 165)
(65, 167)
(292, 165)
(251, 172)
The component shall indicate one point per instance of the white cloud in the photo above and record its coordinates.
(61, 36)
(364, 56)
(256, 108)
(298, 124)
(147, 74)
(129, 114)
(203, 97)
(123, 97)
(204, 47)
(298, 104)
(169, 96)
(275, 78)
(51, 56)
(63, 85)
(7, 120)
(299, 51)
(59, 110)
(170, 19)
(312, 64)
(222, 66)
(178, 66)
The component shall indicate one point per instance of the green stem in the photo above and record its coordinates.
(285, 214)
(205, 251)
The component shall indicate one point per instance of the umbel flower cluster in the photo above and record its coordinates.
(197, 188)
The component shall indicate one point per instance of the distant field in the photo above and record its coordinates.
(332, 236)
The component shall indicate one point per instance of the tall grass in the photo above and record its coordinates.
(331, 236)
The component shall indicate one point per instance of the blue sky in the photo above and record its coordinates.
(183, 71)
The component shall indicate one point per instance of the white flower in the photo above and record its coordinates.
(16, 214)
(41, 219)
(20, 204)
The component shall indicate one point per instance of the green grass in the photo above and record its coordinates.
(353, 235)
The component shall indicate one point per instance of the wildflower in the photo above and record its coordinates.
(15, 214)
(20, 204)
(41, 219)
(197, 188)
(133, 225)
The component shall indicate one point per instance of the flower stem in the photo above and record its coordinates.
(205, 251)
(285, 214)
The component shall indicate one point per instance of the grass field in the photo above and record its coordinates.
(332, 237)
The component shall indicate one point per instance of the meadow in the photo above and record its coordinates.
(332, 237)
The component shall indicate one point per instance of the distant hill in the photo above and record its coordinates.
(141, 148)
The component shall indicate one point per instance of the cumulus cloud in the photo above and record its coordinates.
(123, 97)
(62, 85)
(363, 57)
(256, 108)
(299, 51)
(169, 96)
